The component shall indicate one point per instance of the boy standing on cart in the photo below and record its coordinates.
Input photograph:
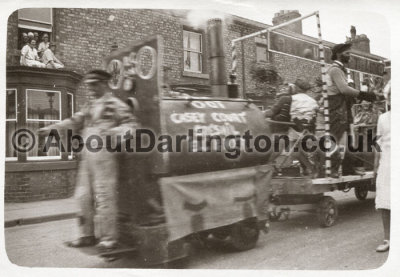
(338, 89)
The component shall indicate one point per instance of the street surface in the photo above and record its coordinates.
(297, 243)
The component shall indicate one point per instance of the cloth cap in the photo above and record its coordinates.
(339, 48)
(45, 36)
(97, 75)
(30, 34)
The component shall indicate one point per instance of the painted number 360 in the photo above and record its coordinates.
(123, 71)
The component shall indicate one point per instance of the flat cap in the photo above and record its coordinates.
(339, 48)
(96, 75)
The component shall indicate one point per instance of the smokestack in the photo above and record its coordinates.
(218, 79)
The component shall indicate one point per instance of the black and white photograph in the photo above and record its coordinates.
(221, 135)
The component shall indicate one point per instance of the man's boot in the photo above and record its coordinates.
(82, 242)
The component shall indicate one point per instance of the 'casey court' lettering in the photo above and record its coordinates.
(178, 118)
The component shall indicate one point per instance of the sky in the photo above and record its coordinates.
(336, 20)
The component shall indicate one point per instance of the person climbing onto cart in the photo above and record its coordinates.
(338, 89)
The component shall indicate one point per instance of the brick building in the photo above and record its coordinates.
(85, 36)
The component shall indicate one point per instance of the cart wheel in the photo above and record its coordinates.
(327, 211)
(361, 193)
(274, 215)
(244, 234)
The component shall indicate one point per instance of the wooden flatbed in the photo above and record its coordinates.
(306, 194)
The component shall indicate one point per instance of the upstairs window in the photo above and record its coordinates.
(192, 52)
(261, 49)
(35, 19)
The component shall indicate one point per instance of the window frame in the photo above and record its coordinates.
(41, 158)
(43, 120)
(201, 53)
(12, 120)
(25, 26)
(265, 47)
(16, 104)
(71, 155)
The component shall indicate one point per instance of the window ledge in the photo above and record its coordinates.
(39, 166)
(195, 75)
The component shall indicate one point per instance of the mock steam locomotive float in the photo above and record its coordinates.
(168, 198)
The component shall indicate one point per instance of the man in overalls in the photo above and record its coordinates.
(96, 191)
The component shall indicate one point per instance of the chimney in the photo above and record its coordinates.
(287, 15)
(359, 42)
(353, 32)
(218, 79)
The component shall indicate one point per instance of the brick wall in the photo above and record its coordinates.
(85, 37)
(12, 38)
(291, 68)
(39, 185)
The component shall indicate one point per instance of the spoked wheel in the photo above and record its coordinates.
(361, 193)
(244, 234)
(327, 211)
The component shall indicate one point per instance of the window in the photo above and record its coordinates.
(261, 53)
(192, 52)
(261, 49)
(35, 20)
(11, 122)
(70, 104)
(70, 112)
(43, 108)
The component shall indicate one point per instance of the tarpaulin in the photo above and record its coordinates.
(204, 201)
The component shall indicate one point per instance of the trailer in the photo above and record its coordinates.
(292, 192)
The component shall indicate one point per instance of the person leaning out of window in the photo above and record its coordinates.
(49, 58)
(29, 55)
(45, 44)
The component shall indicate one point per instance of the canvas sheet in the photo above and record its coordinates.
(208, 200)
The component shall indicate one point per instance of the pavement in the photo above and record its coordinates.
(40, 211)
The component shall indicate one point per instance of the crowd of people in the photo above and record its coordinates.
(39, 54)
